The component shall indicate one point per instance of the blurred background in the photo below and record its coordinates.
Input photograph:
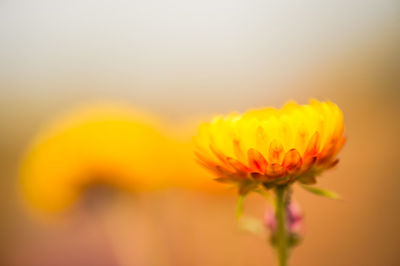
(183, 59)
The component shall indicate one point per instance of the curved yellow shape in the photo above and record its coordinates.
(104, 144)
(272, 146)
(107, 144)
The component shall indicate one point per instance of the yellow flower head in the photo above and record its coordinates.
(271, 146)
(106, 144)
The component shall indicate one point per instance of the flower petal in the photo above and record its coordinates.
(292, 161)
(275, 151)
(275, 170)
(237, 148)
(238, 166)
(257, 162)
(308, 162)
(313, 145)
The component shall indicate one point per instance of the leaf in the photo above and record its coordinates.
(322, 192)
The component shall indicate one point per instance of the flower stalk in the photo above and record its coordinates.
(282, 245)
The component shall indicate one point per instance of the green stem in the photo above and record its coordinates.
(282, 234)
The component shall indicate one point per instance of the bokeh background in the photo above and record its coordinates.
(181, 59)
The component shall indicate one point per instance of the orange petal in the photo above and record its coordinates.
(308, 162)
(275, 170)
(229, 173)
(257, 176)
(333, 164)
(257, 162)
(218, 154)
(340, 143)
(331, 150)
(327, 152)
(238, 166)
(203, 158)
(275, 151)
(292, 161)
(213, 168)
(313, 145)
(339, 146)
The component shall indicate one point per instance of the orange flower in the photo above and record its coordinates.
(272, 147)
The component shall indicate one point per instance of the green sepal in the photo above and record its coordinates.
(240, 206)
(307, 180)
(268, 186)
(322, 192)
(246, 187)
(293, 240)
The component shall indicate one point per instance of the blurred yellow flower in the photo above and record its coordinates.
(103, 144)
(271, 146)
(106, 144)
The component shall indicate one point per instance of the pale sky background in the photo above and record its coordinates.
(178, 55)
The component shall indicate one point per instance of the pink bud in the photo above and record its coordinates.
(294, 219)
